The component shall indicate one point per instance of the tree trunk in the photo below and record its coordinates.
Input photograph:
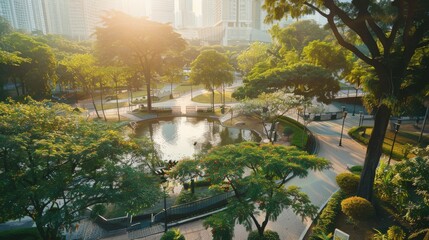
(16, 86)
(93, 104)
(101, 100)
(117, 100)
(213, 99)
(149, 97)
(373, 152)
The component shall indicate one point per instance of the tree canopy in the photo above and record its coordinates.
(257, 175)
(138, 43)
(386, 35)
(36, 76)
(54, 164)
(302, 79)
(269, 107)
(212, 69)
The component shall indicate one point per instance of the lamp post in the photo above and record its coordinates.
(397, 125)
(342, 127)
(360, 118)
(161, 173)
(426, 104)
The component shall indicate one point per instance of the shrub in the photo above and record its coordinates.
(201, 183)
(173, 234)
(326, 220)
(357, 208)
(287, 131)
(348, 182)
(268, 235)
(185, 196)
(356, 169)
(395, 233)
(222, 226)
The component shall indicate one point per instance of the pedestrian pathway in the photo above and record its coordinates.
(318, 185)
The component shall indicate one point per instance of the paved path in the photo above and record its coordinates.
(318, 185)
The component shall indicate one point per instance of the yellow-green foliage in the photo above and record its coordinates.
(357, 208)
(348, 182)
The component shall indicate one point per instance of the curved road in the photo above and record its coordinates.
(318, 185)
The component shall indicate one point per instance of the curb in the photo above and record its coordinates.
(318, 213)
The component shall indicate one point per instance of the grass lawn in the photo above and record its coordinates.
(187, 88)
(404, 140)
(299, 136)
(207, 98)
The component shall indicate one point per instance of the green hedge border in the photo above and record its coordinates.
(354, 132)
(325, 222)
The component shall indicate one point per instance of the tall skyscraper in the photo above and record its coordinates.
(26, 15)
(57, 17)
(184, 13)
(161, 11)
(235, 22)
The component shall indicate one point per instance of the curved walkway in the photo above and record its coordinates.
(318, 185)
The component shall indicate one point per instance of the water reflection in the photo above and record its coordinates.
(176, 138)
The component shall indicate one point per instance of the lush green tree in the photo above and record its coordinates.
(85, 72)
(54, 164)
(269, 108)
(222, 226)
(63, 47)
(8, 61)
(257, 52)
(37, 76)
(385, 35)
(5, 26)
(405, 186)
(186, 170)
(326, 55)
(257, 175)
(297, 35)
(302, 79)
(212, 69)
(138, 43)
(172, 70)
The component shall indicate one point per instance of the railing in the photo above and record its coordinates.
(182, 211)
(176, 213)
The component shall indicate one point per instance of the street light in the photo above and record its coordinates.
(397, 125)
(162, 174)
(360, 118)
(342, 127)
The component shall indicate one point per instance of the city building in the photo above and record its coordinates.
(24, 15)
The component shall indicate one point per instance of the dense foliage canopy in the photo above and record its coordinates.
(54, 164)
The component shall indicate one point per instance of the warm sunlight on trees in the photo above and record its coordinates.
(385, 35)
(54, 164)
(138, 43)
(212, 69)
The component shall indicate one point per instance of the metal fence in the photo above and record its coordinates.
(176, 213)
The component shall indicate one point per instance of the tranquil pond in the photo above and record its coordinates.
(179, 137)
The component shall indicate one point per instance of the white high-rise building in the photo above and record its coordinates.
(234, 22)
(184, 13)
(26, 15)
(161, 11)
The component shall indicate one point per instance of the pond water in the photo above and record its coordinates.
(179, 137)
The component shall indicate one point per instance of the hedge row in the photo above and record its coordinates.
(326, 220)
(355, 133)
(201, 183)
